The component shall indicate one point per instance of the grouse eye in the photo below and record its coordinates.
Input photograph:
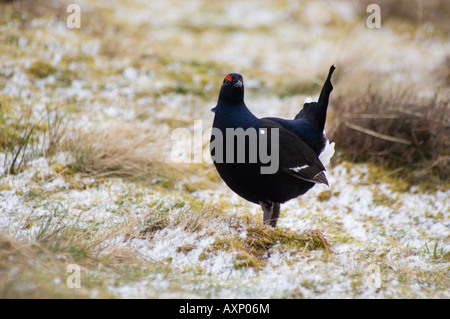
(227, 79)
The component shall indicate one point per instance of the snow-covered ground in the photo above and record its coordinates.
(375, 233)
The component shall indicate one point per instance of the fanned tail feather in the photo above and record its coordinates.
(316, 112)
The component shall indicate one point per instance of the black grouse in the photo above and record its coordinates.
(269, 161)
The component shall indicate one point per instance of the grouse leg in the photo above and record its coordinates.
(271, 213)
(267, 210)
(275, 214)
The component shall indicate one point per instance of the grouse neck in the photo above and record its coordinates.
(238, 108)
(234, 116)
(231, 96)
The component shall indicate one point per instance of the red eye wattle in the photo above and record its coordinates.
(229, 78)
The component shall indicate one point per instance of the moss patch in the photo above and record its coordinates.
(253, 249)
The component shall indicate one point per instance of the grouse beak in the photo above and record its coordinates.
(238, 84)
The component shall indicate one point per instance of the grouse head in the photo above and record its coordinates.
(232, 90)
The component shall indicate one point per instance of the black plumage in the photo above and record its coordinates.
(295, 145)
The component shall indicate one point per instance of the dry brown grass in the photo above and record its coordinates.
(39, 268)
(255, 248)
(398, 116)
(397, 130)
(118, 152)
(29, 269)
